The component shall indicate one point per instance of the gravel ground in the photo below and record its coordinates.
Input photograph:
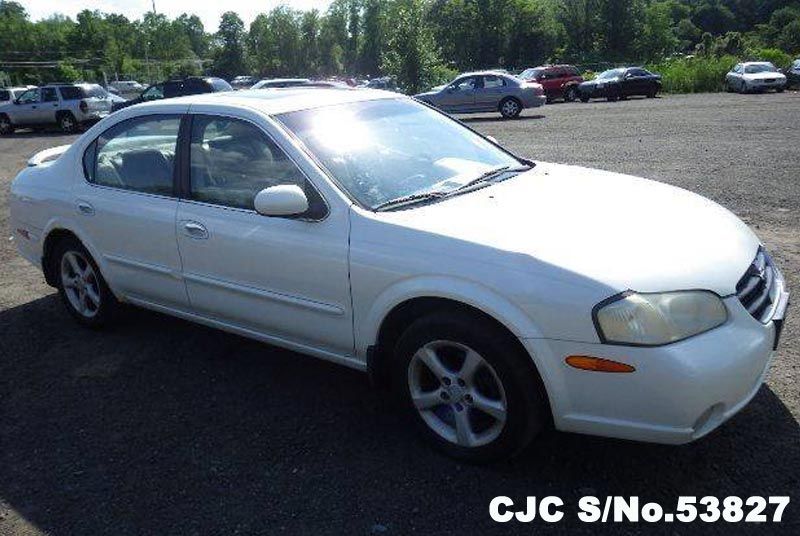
(163, 427)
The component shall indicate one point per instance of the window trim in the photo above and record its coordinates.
(92, 146)
(184, 182)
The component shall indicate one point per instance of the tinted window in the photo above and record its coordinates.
(70, 93)
(5, 95)
(49, 94)
(193, 86)
(138, 154)
(93, 90)
(232, 160)
(173, 89)
(638, 72)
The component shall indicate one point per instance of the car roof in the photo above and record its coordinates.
(757, 63)
(488, 72)
(278, 100)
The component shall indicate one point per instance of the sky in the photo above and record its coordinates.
(209, 11)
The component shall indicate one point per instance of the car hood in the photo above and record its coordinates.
(623, 232)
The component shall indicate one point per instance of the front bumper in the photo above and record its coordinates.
(678, 393)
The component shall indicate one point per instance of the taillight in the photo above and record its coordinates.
(83, 106)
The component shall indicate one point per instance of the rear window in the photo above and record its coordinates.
(219, 84)
(94, 91)
(71, 92)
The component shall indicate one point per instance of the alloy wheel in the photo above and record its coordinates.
(457, 393)
(67, 123)
(5, 125)
(81, 284)
(510, 108)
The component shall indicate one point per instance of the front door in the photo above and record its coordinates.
(285, 278)
(49, 106)
(460, 95)
(127, 207)
(26, 110)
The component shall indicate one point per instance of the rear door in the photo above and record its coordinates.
(283, 278)
(492, 90)
(127, 207)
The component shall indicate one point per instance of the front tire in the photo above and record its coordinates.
(571, 95)
(584, 97)
(81, 286)
(510, 108)
(472, 393)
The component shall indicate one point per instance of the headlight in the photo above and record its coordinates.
(656, 319)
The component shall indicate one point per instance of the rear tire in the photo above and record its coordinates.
(584, 98)
(471, 392)
(571, 94)
(6, 127)
(510, 108)
(67, 123)
(81, 286)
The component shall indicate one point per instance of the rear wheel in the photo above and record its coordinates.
(5, 125)
(82, 288)
(67, 123)
(584, 97)
(471, 392)
(652, 93)
(571, 94)
(510, 108)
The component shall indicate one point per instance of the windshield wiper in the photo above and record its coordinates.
(408, 200)
(488, 176)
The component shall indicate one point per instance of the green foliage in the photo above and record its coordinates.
(694, 74)
(778, 58)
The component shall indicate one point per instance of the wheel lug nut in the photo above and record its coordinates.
(459, 407)
(461, 382)
(444, 395)
(446, 381)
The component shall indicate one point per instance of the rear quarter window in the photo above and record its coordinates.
(71, 93)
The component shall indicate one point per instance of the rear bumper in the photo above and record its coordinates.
(678, 393)
(534, 101)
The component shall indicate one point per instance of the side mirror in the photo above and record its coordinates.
(283, 200)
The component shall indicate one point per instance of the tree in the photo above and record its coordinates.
(309, 60)
(656, 38)
(373, 42)
(412, 56)
(714, 18)
(192, 27)
(229, 59)
(581, 26)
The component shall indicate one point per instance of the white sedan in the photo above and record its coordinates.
(491, 292)
(755, 76)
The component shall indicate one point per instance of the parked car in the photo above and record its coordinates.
(69, 106)
(558, 81)
(485, 91)
(9, 94)
(125, 88)
(616, 84)
(793, 74)
(386, 83)
(367, 229)
(271, 83)
(243, 82)
(193, 85)
(755, 76)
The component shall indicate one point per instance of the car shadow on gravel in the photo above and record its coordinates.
(497, 118)
(159, 426)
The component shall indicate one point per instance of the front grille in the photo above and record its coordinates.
(756, 290)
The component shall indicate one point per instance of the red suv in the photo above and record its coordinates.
(559, 81)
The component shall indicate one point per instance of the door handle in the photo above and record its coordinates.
(85, 208)
(195, 230)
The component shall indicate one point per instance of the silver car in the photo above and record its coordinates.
(755, 76)
(486, 91)
(67, 105)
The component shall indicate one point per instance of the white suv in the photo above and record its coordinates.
(66, 105)
(492, 293)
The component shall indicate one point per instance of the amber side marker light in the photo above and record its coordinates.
(596, 364)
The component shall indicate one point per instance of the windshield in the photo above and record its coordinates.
(612, 73)
(759, 68)
(531, 74)
(387, 149)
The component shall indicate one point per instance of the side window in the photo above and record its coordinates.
(49, 94)
(493, 82)
(5, 95)
(29, 97)
(153, 93)
(233, 160)
(137, 155)
(465, 84)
